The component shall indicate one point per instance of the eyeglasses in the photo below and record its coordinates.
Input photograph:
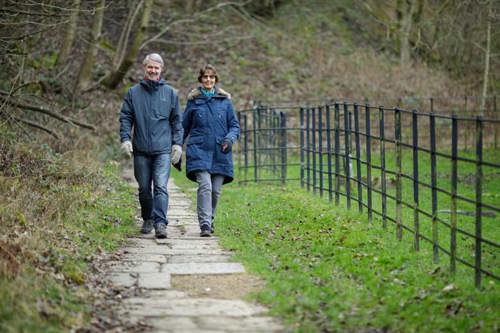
(208, 76)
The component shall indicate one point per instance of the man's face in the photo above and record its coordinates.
(152, 70)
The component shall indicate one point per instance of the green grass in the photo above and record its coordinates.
(60, 216)
(328, 270)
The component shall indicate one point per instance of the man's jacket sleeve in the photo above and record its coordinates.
(176, 121)
(126, 118)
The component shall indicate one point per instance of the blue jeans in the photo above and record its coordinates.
(153, 170)
(209, 190)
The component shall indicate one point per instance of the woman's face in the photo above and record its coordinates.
(208, 80)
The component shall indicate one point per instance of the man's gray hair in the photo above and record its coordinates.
(153, 57)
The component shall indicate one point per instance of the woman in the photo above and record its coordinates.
(212, 127)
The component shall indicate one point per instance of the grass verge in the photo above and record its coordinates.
(57, 214)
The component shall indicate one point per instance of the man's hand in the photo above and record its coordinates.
(127, 148)
(176, 154)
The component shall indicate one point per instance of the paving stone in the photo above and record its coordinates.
(179, 259)
(154, 280)
(174, 252)
(240, 324)
(172, 324)
(134, 266)
(204, 268)
(165, 294)
(194, 307)
(153, 249)
(145, 257)
(122, 279)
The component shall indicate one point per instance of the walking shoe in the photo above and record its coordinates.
(205, 231)
(161, 230)
(212, 228)
(147, 226)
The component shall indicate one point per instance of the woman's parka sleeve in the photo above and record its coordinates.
(233, 124)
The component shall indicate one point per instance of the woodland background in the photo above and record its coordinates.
(66, 65)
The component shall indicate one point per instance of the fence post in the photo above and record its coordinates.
(435, 239)
(337, 152)
(397, 132)
(245, 144)
(382, 166)
(320, 148)
(329, 150)
(347, 153)
(466, 132)
(368, 162)
(416, 216)
(302, 147)
(313, 132)
(454, 180)
(284, 145)
(479, 189)
(254, 123)
(308, 151)
(358, 157)
(495, 116)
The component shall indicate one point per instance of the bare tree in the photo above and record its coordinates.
(487, 53)
(70, 33)
(114, 78)
(85, 74)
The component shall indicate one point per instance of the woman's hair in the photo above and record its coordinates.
(205, 68)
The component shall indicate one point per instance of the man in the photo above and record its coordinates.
(151, 109)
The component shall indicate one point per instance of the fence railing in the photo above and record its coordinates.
(434, 177)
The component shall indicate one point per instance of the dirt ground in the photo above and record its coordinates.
(223, 286)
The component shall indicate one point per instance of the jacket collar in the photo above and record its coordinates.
(152, 85)
(196, 94)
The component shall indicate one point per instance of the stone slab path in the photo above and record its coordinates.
(151, 265)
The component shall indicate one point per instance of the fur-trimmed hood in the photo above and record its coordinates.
(218, 92)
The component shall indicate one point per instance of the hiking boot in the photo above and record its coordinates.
(161, 230)
(147, 226)
(205, 231)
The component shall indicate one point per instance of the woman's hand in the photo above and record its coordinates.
(226, 146)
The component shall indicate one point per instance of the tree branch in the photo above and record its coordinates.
(5, 96)
(37, 125)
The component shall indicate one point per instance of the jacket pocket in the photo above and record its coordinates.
(164, 109)
(195, 140)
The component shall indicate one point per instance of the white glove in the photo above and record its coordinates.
(127, 148)
(176, 154)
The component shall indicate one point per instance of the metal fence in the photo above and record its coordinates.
(434, 177)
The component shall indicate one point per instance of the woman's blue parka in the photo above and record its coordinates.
(207, 122)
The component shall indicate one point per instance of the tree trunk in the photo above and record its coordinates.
(85, 75)
(115, 77)
(70, 33)
(124, 36)
(486, 59)
(407, 10)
